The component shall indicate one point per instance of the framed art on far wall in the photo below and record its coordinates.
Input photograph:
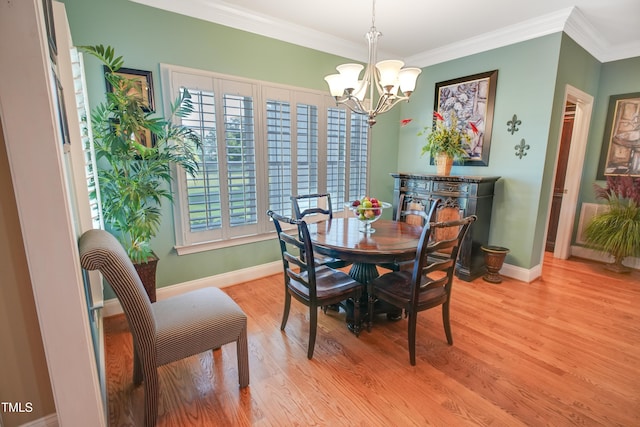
(472, 99)
(143, 81)
(620, 152)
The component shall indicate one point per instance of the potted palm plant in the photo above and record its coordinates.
(447, 141)
(617, 230)
(135, 178)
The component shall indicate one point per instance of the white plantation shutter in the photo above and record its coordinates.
(307, 149)
(86, 135)
(203, 189)
(337, 156)
(279, 155)
(358, 156)
(240, 153)
(262, 143)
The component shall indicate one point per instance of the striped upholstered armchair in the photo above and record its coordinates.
(170, 329)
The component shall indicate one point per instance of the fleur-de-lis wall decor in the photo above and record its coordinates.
(521, 148)
(513, 125)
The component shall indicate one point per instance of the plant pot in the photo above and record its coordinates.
(443, 164)
(494, 258)
(617, 266)
(147, 273)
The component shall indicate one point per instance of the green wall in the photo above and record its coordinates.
(525, 87)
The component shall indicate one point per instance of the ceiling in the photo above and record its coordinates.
(425, 32)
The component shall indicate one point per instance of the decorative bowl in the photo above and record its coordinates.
(367, 215)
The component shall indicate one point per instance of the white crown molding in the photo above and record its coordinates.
(583, 33)
(242, 19)
(570, 20)
(521, 31)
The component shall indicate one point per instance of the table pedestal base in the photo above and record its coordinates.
(365, 273)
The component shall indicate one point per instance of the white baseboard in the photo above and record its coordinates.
(50, 420)
(529, 275)
(520, 273)
(584, 252)
(113, 307)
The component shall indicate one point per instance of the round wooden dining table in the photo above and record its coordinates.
(343, 238)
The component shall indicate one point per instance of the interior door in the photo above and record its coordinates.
(559, 187)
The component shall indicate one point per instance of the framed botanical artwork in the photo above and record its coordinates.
(144, 85)
(620, 153)
(472, 100)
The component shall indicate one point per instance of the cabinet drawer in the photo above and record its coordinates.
(453, 188)
(418, 185)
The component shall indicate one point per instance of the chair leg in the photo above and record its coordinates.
(313, 327)
(287, 307)
(242, 350)
(357, 322)
(445, 322)
(150, 395)
(137, 368)
(413, 318)
(370, 308)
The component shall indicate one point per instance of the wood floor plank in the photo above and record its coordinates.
(563, 350)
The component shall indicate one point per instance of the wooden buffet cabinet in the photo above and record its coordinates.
(469, 195)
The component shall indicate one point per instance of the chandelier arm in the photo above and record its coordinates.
(353, 104)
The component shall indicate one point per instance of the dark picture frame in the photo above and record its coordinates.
(472, 99)
(620, 152)
(144, 81)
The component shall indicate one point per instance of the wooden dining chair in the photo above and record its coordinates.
(313, 285)
(319, 206)
(170, 329)
(430, 281)
(415, 216)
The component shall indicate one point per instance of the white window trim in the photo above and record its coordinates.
(264, 229)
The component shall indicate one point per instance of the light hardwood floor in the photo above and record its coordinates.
(563, 350)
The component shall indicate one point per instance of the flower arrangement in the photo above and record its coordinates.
(617, 231)
(448, 136)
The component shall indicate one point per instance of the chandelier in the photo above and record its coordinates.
(377, 92)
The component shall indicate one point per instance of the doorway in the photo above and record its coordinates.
(568, 170)
(561, 171)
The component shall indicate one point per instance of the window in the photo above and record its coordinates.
(261, 143)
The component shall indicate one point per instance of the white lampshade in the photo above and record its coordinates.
(408, 78)
(389, 71)
(350, 74)
(361, 90)
(336, 85)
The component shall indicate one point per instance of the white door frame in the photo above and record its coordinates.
(575, 163)
(34, 150)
